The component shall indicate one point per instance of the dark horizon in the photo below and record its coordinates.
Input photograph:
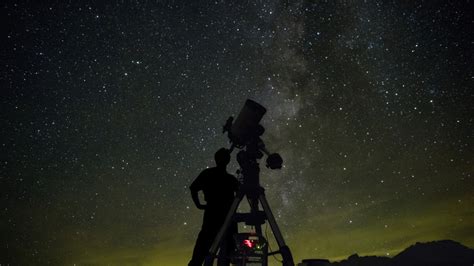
(110, 111)
(440, 253)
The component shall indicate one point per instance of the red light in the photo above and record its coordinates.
(248, 243)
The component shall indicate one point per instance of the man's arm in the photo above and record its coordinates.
(236, 184)
(195, 187)
(195, 196)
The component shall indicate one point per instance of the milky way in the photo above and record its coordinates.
(110, 111)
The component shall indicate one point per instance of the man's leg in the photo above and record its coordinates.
(203, 243)
(205, 238)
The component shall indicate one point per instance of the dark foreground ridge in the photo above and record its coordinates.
(436, 253)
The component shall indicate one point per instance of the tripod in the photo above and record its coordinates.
(255, 194)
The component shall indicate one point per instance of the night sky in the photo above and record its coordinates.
(109, 112)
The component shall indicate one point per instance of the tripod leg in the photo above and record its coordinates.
(218, 240)
(284, 250)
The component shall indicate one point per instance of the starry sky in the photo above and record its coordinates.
(109, 112)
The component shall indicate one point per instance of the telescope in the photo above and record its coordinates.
(251, 248)
(247, 130)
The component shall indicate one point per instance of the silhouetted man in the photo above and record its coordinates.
(219, 189)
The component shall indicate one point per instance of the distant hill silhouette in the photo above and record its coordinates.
(444, 252)
(436, 253)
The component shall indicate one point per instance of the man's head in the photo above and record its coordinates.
(222, 157)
